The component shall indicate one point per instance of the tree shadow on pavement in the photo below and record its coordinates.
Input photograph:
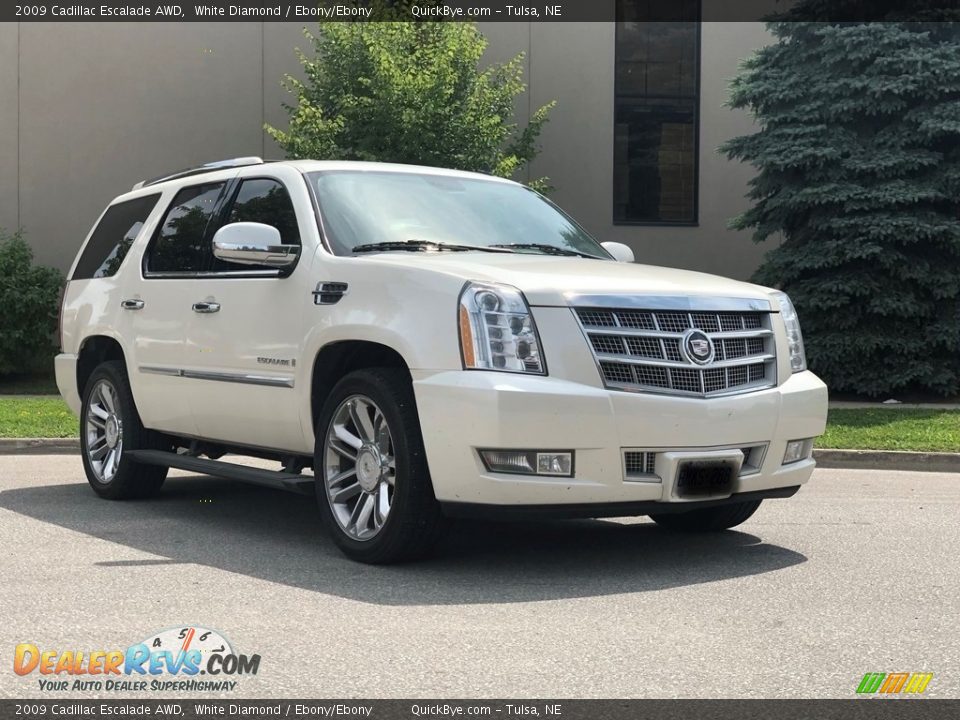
(276, 536)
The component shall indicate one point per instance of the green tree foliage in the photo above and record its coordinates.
(29, 296)
(409, 92)
(858, 160)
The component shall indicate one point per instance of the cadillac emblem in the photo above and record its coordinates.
(697, 347)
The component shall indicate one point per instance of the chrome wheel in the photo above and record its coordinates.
(103, 427)
(360, 468)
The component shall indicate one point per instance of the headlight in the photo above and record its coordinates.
(798, 358)
(497, 331)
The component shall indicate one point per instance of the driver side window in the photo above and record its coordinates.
(261, 200)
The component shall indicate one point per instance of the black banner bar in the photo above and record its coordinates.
(856, 709)
(476, 10)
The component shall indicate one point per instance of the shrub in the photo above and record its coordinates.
(409, 92)
(29, 297)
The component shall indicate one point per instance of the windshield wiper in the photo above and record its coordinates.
(547, 249)
(424, 246)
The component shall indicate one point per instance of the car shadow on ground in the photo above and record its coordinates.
(276, 536)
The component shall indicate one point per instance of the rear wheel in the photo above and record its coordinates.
(722, 517)
(372, 481)
(110, 428)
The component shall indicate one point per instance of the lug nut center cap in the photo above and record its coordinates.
(112, 431)
(368, 468)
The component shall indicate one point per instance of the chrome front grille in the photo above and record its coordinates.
(644, 350)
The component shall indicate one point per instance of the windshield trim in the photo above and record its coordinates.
(310, 175)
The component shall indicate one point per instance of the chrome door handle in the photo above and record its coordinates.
(136, 304)
(206, 307)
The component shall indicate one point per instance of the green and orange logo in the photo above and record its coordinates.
(894, 683)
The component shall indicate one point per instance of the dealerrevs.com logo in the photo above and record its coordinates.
(191, 659)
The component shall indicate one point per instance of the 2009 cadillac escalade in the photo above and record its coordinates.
(431, 343)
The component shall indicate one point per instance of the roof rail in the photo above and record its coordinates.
(205, 168)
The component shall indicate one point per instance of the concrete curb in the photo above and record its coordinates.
(39, 446)
(888, 460)
(842, 459)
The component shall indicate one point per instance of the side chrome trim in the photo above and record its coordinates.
(242, 378)
(689, 303)
(156, 370)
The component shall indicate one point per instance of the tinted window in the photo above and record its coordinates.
(181, 242)
(657, 97)
(113, 237)
(266, 201)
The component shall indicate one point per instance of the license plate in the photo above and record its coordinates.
(704, 478)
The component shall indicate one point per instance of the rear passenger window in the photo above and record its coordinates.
(112, 238)
(180, 244)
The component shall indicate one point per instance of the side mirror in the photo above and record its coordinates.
(620, 252)
(250, 243)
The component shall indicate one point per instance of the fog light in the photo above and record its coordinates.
(797, 450)
(528, 462)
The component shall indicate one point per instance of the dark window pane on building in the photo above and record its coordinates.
(656, 111)
(181, 243)
(113, 236)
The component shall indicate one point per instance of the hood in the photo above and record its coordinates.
(554, 281)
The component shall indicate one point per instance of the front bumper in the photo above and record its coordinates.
(461, 411)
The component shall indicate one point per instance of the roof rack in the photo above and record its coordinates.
(200, 169)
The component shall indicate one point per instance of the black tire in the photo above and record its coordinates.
(129, 479)
(414, 521)
(715, 519)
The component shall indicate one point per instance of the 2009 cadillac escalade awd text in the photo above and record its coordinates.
(431, 343)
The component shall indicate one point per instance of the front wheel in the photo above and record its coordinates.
(372, 481)
(715, 519)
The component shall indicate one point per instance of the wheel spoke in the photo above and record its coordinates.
(383, 502)
(106, 393)
(347, 437)
(341, 476)
(360, 414)
(346, 492)
(110, 465)
(97, 422)
(364, 519)
(99, 412)
(101, 449)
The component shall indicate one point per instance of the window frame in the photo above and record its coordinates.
(222, 213)
(695, 222)
(217, 217)
(86, 248)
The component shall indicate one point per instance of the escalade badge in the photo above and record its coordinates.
(698, 347)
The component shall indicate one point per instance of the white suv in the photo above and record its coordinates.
(431, 343)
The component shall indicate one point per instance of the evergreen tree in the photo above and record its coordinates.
(858, 160)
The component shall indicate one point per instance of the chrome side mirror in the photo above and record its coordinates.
(250, 243)
(620, 252)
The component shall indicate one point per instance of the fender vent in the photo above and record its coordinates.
(329, 293)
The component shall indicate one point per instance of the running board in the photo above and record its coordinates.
(270, 478)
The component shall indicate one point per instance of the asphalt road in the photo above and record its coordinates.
(858, 572)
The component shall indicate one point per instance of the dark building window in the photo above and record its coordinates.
(657, 97)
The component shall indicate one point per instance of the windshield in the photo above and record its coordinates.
(362, 208)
